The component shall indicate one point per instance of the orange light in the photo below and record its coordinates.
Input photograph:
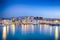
(4, 32)
(56, 33)
(56, 21)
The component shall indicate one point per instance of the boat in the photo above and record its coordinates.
(54, 24)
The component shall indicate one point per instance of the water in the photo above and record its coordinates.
(29, 32)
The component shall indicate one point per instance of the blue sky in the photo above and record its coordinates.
(16, 8)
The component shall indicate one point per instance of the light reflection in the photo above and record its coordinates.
(27, 28)
(56, 33)
(32, 28)
(7, 28)
(4, 33)
(40, 27)
(45, 27)
(13, 28)
(24, 28)
(56, 21)
(50, 30)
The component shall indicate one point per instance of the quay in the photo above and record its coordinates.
(28, 20)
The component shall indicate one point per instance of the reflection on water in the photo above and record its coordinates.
(56, 32)
(7, 28)
(50, 30)
(45, 27)
(27, 28)
(24, 28)
(30, 29)
(13, 28)
(4, 33)
(40, 27)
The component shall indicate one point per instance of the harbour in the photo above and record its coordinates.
(33, 32)
(30, 20)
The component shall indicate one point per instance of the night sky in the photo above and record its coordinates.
(43, 8)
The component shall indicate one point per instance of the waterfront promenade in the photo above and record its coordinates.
(28, 20)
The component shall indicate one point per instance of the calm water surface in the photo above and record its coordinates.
(29, 32)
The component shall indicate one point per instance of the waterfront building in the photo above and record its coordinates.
(13, 19)
(6, 21)
(38, 20)
(0, 20)
(18, 21)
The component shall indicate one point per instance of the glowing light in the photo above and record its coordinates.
(50, 30)
(28, 27)
(24, 28)
(45, 27)
(13, 28)
(7, 28)
(5, 21)
(56, 21)
(56, 33)
(4, 32)
(45, 21)
(40, 27)
(32, 27)
(13, 20)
